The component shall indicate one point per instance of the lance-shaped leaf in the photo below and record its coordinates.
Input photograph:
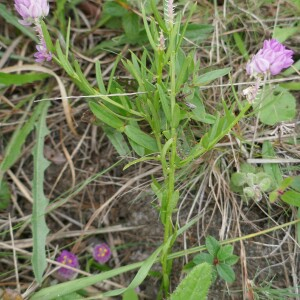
(195, 285)
(40, 202)
(13, 148)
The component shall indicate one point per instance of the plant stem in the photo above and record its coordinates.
(168, 230)
(170, 183)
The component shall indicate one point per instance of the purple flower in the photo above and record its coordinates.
(101, 253)
(31, 10)
(273, 58)
(69, 259)
(42, 53)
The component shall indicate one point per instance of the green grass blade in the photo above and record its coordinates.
(5, 195)
(241, 45)
(65, 288)
(298, 227)
(19, 79)
(40, 202)
(130, 295)
(140, 276)
(47, 37)
(211, 76)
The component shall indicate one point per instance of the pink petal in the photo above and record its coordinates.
(261, 65)
(276, 68)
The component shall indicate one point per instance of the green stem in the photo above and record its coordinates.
(170, 183)
(168, 230)
(173, 86)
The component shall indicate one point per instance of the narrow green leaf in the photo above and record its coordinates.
(52, 292)
(183, 63)
(47, 37)
(4, 194)
(12, 19)
(141, 138)
(72, 296)
(164, 102)
(40, 202)
(212, 245)
(198, 113)
(149, 35)
(117, 139)
(113, 71)
(281, 34)
(291, 86)
(13, 149)
(63, 60)
(104, 115)
(211, 76)
(141, 274)
(291, 198)
(145, 158)
(165, 149)
(178, 115)
(20, 79)
(155, 117)
(158, 18)
(60, 14)
(174, 201)
(99, 77)
(84, 84)
(226, 272)
(130, 294)
(195, 285)
(138, 149)
(68, 38)
(240, 44)
(298, 227)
